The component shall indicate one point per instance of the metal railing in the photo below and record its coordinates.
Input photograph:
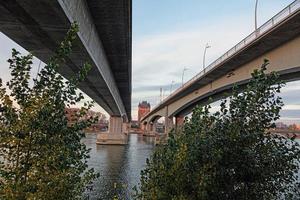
(282, 15)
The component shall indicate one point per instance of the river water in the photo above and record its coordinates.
(119, 166)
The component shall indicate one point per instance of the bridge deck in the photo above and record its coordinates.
(281, 28)
(38, 26)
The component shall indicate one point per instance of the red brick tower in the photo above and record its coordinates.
(144, 108)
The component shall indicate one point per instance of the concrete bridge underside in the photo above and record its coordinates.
(280, 45)
(285, 60)
(104, 42)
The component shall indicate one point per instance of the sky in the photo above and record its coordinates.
(170, 35)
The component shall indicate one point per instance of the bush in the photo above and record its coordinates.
(229, 154)
(41, 155)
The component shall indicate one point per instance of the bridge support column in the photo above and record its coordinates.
(179, 121)
(150, 127)
(168, 124)
(152, 130)
(115, 134)
(149, 130)
(143, 128)
(154, 127)
(126, 127)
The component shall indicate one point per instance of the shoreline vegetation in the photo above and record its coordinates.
(229, 154)
(42, 155)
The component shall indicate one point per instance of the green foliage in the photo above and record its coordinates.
(41, 155)
(228, 154)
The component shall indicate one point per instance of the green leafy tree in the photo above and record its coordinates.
(229, 154)
(41, 155)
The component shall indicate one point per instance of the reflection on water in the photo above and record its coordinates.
(119, 166)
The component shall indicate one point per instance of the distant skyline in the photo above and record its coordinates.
(169, 35)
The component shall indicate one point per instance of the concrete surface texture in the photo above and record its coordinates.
(104, 42)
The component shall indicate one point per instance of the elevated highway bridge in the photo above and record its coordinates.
(278, 40)
(104, 41)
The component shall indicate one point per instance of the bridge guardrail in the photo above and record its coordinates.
(279, 17)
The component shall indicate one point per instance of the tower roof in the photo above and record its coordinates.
(144, 104)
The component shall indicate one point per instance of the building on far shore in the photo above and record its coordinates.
(135, 124)
(281, 125)
(101, 125)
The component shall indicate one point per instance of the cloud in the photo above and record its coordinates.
(151, 88)
(159, 59)
(291, 107)
(289, 120)
(163, 57)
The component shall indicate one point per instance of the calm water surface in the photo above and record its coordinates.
(119, 166)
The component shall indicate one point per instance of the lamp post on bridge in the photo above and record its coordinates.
(255, 15)
(184, 69)
(161, 94)
(204, 54)
(171, 86)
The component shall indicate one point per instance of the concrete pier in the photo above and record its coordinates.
(116, 134)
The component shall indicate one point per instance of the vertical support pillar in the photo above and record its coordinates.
(168, 124)
(125, 128)
(168, 121)
(152, 132)
(149, 130)
(179, 120)
(115, 134)
(143, 127)
(151, 126)
(154, 126)
(115, 125)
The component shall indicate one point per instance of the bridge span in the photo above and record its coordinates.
(104, 41)
(278, 40)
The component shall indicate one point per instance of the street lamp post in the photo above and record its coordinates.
(204, 54)
(161, 94)
(171, 86)
(164, 93)
(184, 69)
(255, 15)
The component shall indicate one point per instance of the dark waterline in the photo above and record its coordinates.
(119, 166)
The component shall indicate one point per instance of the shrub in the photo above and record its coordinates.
(41, 155)
(229, 154)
